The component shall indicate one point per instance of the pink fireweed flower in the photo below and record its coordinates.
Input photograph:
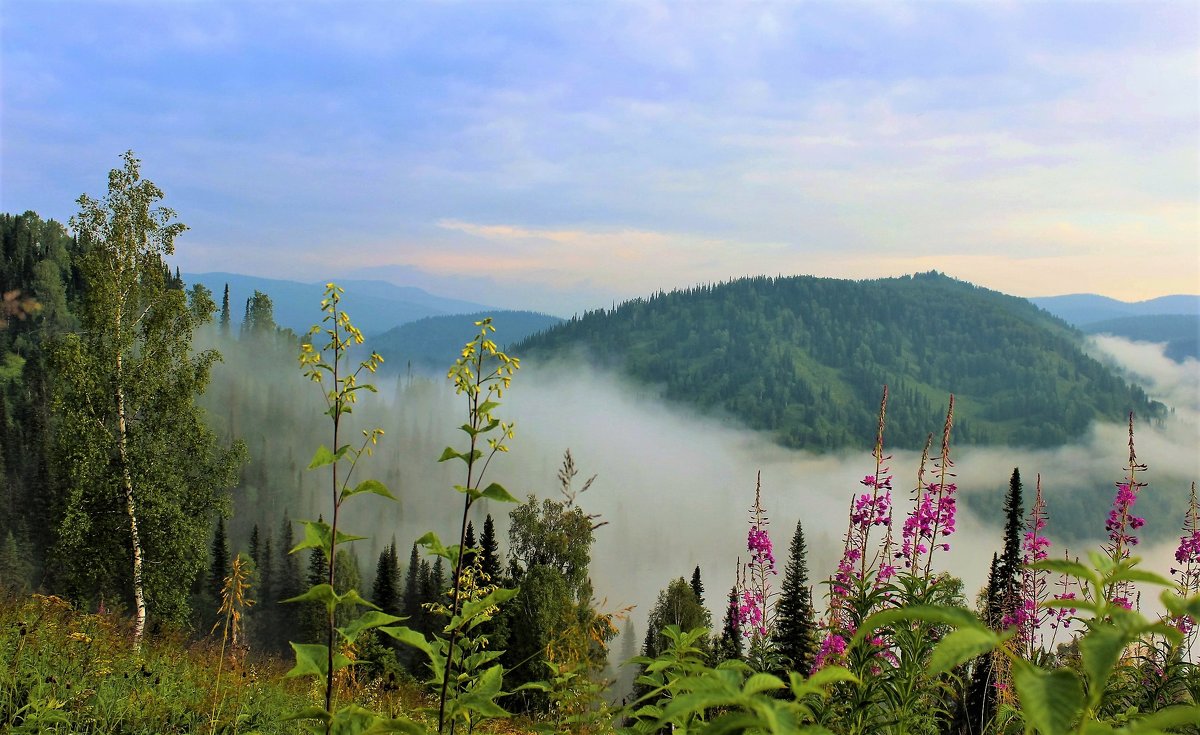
(1187, 574)
(1028, 616)
(754, 578)
(833, 647)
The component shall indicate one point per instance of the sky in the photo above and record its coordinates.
(562, 156)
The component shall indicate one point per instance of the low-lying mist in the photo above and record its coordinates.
(675, 487)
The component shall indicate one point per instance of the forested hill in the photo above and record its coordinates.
(805, 358)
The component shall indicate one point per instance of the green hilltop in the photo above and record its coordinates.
(804, 358)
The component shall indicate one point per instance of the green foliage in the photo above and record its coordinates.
(139, 468)
(795, 620)
(66, 672)
(326, 367)
(803, 358)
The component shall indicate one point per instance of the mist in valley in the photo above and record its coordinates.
(675, 487)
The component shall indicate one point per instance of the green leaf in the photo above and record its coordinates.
(313, 659)
(321, 458)
(352, 719)
(369, 486)
(433, 545)
(1099, 651)
(1069, 568)
(370, 619)
(1140, 575)
(449, 453)
(937, 614)
(316, 536)
(321, 593)
(1167, 717)
(308, 713)
(1179, 606)
(345, 537)
(351, 597)
(761, 683)
(960, 646)
(817, 683)
(410, 637)
(1050, 700)
(386, 725)
(495, 598)
(496, 492)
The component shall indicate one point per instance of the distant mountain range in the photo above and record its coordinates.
(434, 342)
(374, 306)
(1174, 320)
(805, 358)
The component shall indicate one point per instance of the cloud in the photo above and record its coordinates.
(746, 139)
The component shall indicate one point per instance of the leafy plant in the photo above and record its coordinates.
(326, 367)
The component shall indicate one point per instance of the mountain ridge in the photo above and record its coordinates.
(804, 359)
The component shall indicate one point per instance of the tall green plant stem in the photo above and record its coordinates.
(336, 409)
(473, 408)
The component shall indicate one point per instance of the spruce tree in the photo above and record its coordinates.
(490, 549)
(218, 570)
(313, 618)
(386, 591)
(697, 585)
(731, 645)
(1008, 580)
(225, 312)
(255, 546)
(289, 584)
(796, 625)
(980, 704)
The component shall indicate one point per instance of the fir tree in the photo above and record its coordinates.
(795, 633)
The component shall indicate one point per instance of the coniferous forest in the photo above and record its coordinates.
(208, 519)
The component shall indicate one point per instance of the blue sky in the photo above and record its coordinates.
(562, 155)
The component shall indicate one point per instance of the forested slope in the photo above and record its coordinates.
(804, 358)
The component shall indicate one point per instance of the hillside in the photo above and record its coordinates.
(432, 342)
(804, 358)
(1180, 332)
(376, 306)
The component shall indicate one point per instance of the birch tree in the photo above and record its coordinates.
(141, 474)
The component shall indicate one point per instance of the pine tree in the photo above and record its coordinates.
(697, 585)
(731, 645)
(796, 625)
